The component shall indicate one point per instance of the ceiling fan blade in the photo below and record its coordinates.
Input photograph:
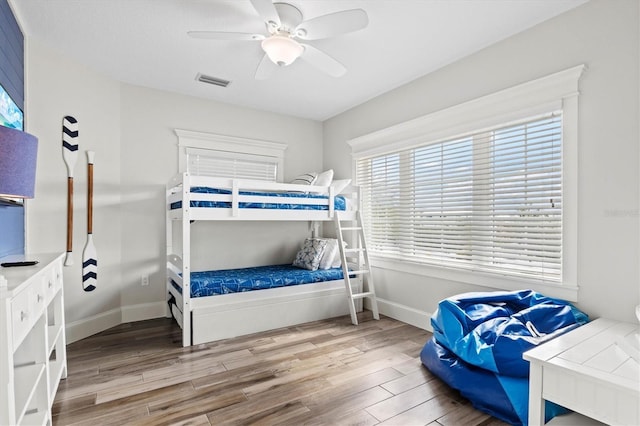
(265, 69)
(223, 35)
(332, 24)
(322, 61)
(267, 11)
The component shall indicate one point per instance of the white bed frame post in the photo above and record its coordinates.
(169, 246)
(186, 261)
(314, 226)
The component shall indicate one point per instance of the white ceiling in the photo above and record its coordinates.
(145, 42)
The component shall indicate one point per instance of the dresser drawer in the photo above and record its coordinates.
(38, 298)
(21, 316)
(26, 308)
(53, 281)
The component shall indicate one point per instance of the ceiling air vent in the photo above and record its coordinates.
(212, 80)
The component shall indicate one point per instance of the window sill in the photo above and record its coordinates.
(496, 282)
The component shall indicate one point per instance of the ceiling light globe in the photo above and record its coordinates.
(282, 50)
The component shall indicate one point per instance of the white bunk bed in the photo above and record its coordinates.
(210, 318)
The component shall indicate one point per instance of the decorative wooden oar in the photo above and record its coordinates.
(70, 154)
(89, 256)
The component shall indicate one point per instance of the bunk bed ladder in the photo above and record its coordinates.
(355, 261)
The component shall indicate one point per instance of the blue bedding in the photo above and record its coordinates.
(209, 283)
(339, 200)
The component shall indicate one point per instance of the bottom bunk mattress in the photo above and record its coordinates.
(225, 281)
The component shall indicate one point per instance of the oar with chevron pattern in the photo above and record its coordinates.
(70, 155)
(89, 256)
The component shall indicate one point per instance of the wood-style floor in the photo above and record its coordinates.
(324, 373)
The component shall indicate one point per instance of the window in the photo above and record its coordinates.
(490, 201)
(484, 192)
(208, 154)
(208, 162)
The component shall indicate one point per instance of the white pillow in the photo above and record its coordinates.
(339, 185)
(337, 261)
(324, 178)
(310, 254)
(330, 254)
(305, 179)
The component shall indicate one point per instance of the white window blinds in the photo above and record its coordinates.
(490, 201)
(240, 166)
(209, 154)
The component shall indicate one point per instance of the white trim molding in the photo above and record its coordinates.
(524, 100)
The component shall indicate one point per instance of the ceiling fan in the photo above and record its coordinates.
(285, 26)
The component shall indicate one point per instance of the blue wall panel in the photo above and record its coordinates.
(12, 79)
(11, 55)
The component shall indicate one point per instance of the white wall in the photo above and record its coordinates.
(131, 130)
(150, 157)
(56, 87)
(602, 34)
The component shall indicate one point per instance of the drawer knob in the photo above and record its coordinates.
(23, 316)
(39, 298)
(50, 284)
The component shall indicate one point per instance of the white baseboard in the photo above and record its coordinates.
(143, 311)
(86, 327)
(405, 313)
(78, 330)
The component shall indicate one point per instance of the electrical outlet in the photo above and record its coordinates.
(144, 280)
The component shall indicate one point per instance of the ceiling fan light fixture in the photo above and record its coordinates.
(282, 50)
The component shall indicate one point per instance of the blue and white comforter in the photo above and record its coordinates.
(209, 283)
(339, 200)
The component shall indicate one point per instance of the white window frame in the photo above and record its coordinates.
(223, 146)
(558, 91)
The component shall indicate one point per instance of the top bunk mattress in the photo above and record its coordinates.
(210, 283)
(293, 200)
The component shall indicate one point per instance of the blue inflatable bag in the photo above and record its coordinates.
(503, 397)
(491, 330)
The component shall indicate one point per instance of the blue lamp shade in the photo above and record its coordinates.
(18, 152)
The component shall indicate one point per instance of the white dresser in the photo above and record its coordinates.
(32, 340)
